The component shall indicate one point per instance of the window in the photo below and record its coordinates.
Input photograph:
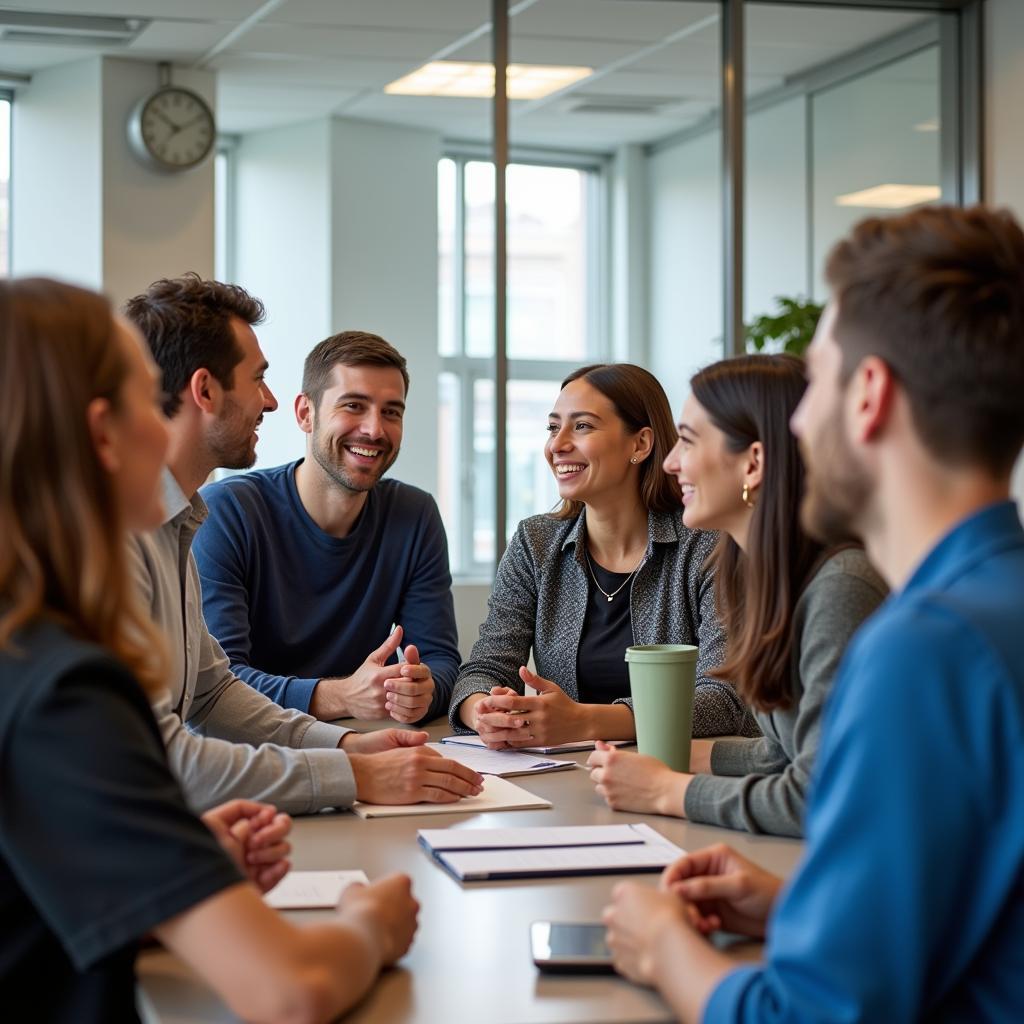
(555, 325)
(5, 186)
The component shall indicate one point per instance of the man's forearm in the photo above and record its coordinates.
(687, 969)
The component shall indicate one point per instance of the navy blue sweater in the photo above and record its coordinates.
(292, 605)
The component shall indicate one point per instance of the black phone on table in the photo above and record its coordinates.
(570, 948)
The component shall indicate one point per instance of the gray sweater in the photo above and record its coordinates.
(223, 738)
(540, 598)
(760, 785)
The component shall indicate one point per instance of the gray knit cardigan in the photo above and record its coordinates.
(540, 598)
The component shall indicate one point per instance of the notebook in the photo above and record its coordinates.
(471, 854)
(498, 795)
(499, 762)
(471, 740)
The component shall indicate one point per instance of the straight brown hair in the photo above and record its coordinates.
(640, 401)
(751, 398)
(62, 547)
(938, 295)
(349, 348)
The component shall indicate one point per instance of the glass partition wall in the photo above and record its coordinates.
(728, 146)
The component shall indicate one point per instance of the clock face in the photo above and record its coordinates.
(176, 128)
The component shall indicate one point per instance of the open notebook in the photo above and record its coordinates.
(479, 854)
(498, 795)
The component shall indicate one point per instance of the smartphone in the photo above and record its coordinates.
(570, 948)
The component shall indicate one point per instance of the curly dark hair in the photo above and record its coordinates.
(187, 324)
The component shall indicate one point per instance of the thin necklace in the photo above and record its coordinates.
(621, 585)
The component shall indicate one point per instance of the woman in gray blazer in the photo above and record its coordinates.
(790, 606)
(612, 567)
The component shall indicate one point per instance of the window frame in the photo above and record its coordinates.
(467, 370)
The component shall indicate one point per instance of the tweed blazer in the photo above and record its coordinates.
(540, 598)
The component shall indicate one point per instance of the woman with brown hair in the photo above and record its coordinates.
(614, 566)
(97, 845)
(789, 606)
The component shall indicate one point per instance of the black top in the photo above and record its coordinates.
(607, 632)
(97, 846)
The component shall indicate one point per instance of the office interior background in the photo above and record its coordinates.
(349, 192)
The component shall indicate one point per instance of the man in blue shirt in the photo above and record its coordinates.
(223, 738)
(909, 903)
(305, 567)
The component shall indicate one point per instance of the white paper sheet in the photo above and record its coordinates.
(303, 890)
(499, 762)
(498, 795)
(471, 740)
(524, 838)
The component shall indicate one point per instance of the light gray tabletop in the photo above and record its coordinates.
(471, 960)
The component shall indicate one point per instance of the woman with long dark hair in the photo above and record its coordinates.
(97, 845)
(789, 606)
(613, 566)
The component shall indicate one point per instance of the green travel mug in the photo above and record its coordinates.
(662, 678)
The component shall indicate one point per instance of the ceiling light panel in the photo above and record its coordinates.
(890, 197)
(472, 79)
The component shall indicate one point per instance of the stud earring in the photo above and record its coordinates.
(745, 496)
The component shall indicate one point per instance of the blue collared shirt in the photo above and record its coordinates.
(909, 903)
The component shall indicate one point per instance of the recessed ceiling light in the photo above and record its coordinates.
(476, 80)
(891, 197)
(931, 125)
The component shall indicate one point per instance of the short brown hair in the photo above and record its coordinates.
(63, 550)
(938, 294)
(640, 401)
(187, 324)
(349, 348)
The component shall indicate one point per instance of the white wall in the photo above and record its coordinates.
(629, 255)
(154, 224)
(56, 215)
(1004, 152)
(384, 264)
(685, 231)
(83, 208)
(283, 256)
(776, 253)
(684, 228)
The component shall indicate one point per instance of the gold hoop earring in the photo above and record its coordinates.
(745, 496)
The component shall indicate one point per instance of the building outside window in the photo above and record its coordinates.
(555, 324)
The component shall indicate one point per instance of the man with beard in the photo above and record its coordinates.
(909, 902)
(306, 567)
(223, 738)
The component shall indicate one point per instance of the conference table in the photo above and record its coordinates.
(471, 961)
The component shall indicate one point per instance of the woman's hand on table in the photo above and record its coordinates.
(629, 781)
(492, 724)
(548, 718)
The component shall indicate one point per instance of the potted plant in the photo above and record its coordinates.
(789, 330)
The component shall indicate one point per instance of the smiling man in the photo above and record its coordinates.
(223, 738)
(305, 567)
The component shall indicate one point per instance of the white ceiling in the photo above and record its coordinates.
(300, 59)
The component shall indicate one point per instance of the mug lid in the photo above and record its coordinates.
(655, 653)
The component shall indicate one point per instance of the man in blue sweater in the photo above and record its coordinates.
(909, 903)
(306, 567)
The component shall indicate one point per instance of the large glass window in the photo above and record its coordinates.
(5, 186)
(553, 327)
